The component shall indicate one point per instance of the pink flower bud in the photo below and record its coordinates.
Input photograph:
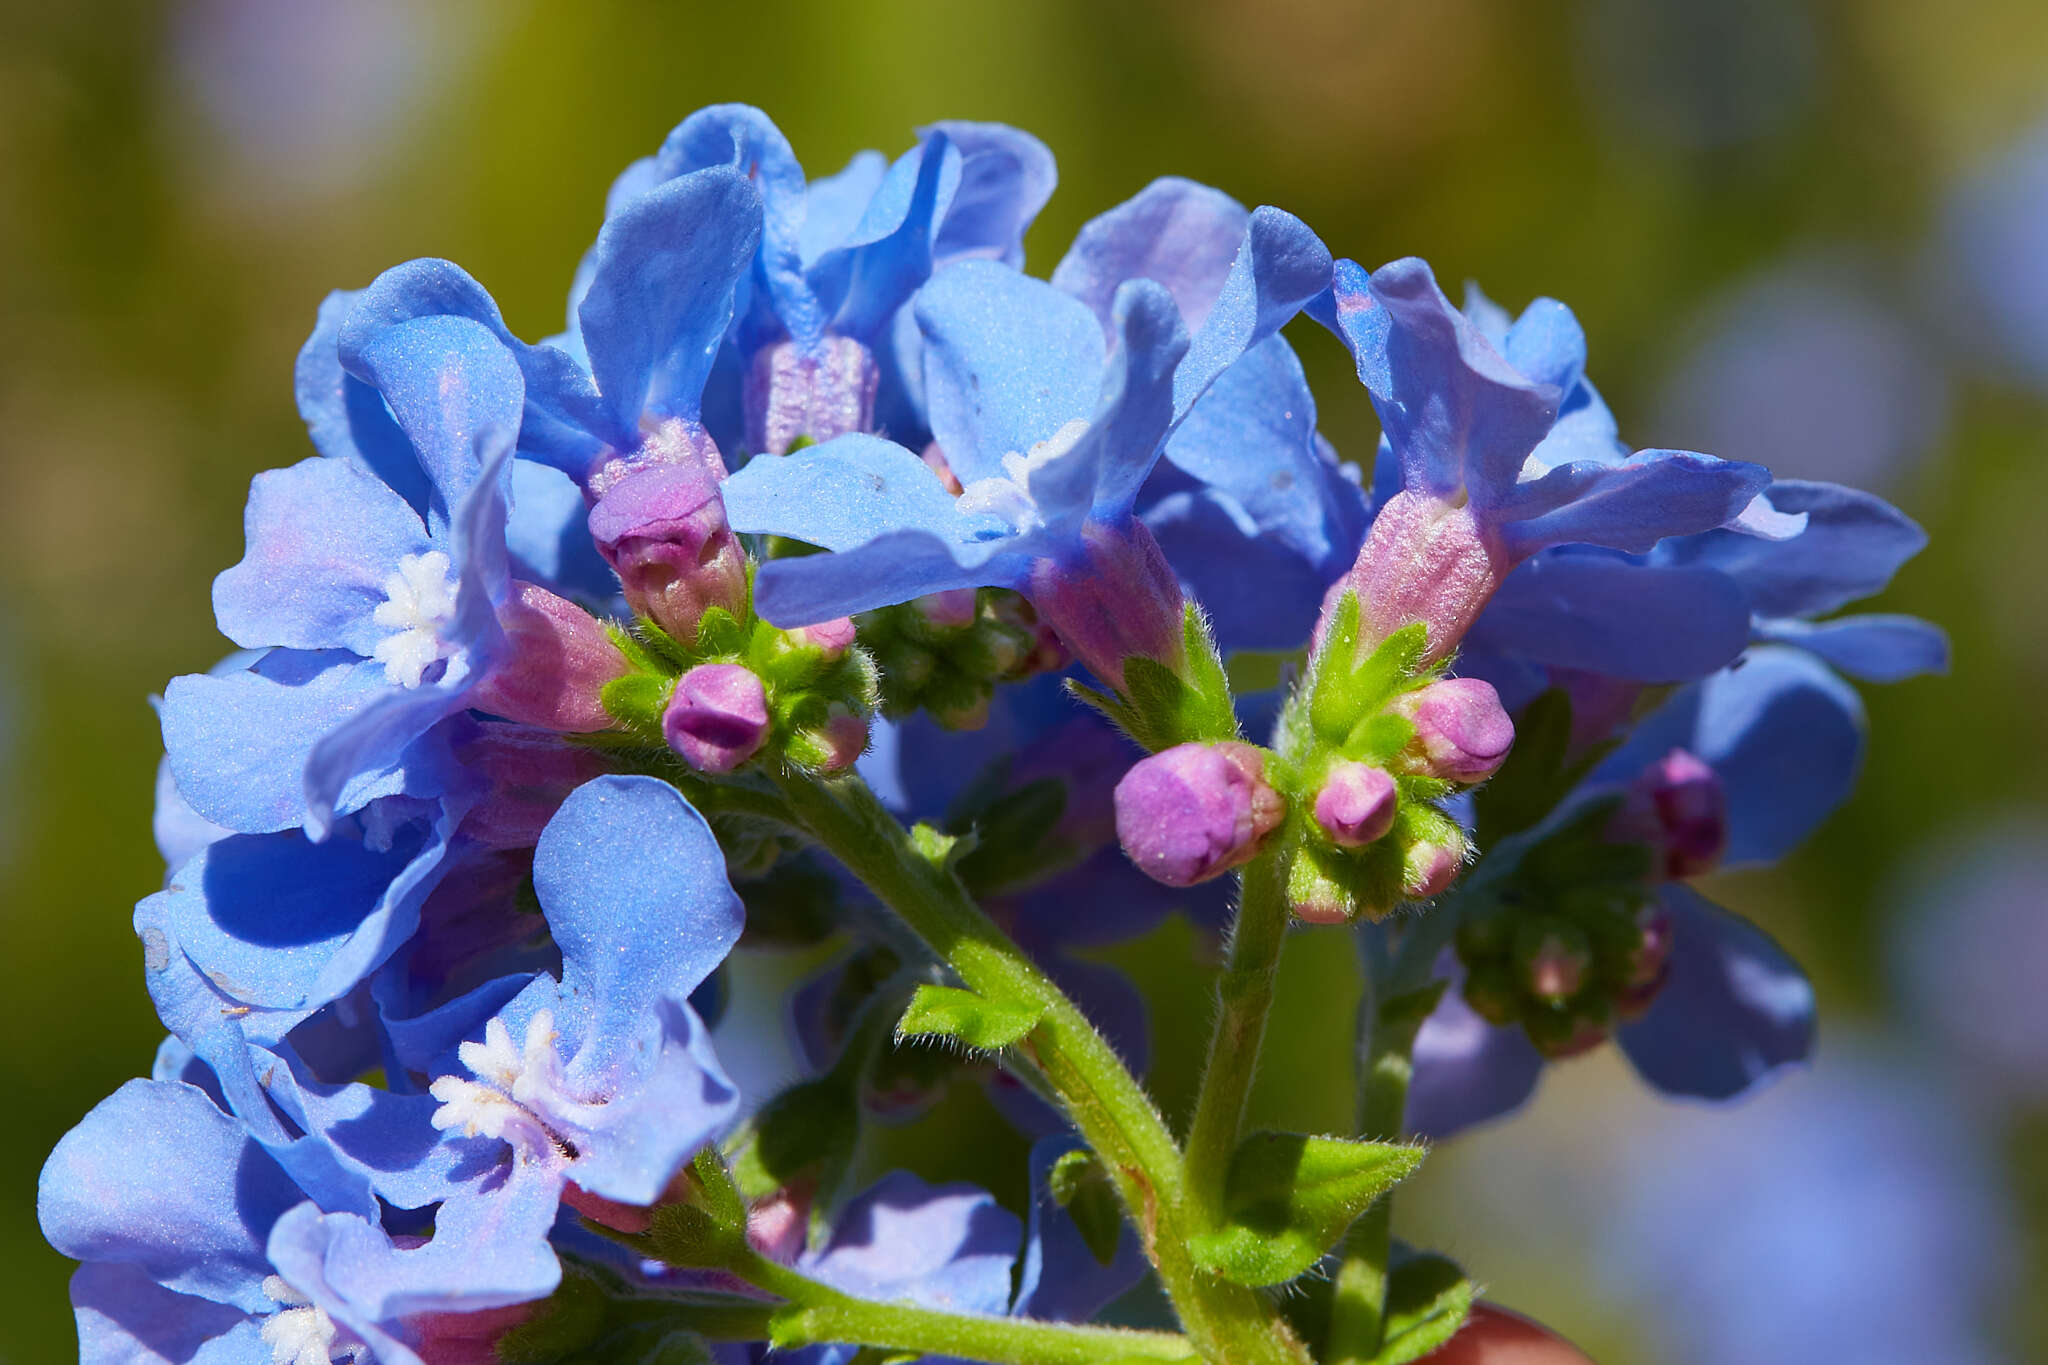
(1357, 804)
(1195, 811)
(466, 1338)
(1678, 806)
(1431, 868)
(832, 638)
(1118, 600)
(791, 392)
(662, 529)
(1425, 560)
(632, 1218)
(1462, 733)
(557, 662)
(718, 717)
(776, 1224)
(1557, 969)
(843, 737)
(952, 609)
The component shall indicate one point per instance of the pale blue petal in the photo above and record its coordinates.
(1280, 267)
(1547, 345)
(889, 252)
(548, 535)
(949, 1247)
(1467, 1070)
(1852, 545)
(347, 418)
(1103, 471)
(833, 204)
(1175, 232)
(1628, 506)
(1006, 177)
(1606, 614)
(892, 568)
(1876, 647)
(126, 1318)
(846, 492)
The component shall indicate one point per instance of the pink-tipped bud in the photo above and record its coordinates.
(1425, 560)
(1678, 806)
(1462, 733)
(1431, 868)
(1357, 804)
(831, 638)
(1196, 810)
(718, 717)
(558, 659)
(1117, 600)
(1557, 969)
(793, 391)
(662, 528)
(465, 1338)
(952, 609)
(776, 1224)
(843, 738)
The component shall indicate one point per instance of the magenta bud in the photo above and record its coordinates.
(1117, 600)
(1425, 560)
(1462, 733)
(1357, 804)
(718, 717)
(952, 609)
(1430, 869)
(1678, 805)
(793, 391)
(558, 659)
(662, 528)
(1196, 810)
(843, 738)
(832, 638)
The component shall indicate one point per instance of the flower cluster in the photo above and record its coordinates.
(570, 668)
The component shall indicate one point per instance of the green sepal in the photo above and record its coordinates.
(676, 1348)
(1288, 1198)
(1081, 1186)
(1159, 707)
(636, 701)
(687, 1235)
(1428, 1300)
(570, 1319)
(809, 1131)
(981, 1023)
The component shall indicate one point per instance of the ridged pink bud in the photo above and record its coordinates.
(1357, 804)
(1462, 732)
(948, 610)
(662, 528)
(791, 392)
(1425, 560)
(832, 638)
(1431, 868)
(1678, 806)
(1117, 600)
(557, 662)
(1195, 811)
(718, 717)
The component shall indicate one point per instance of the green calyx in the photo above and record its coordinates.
(1162, 706)
(952, 668)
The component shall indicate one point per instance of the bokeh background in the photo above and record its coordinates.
(1813, 234)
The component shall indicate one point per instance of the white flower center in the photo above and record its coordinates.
(300, 1333)
(1008, 495)
(419, 602)
(514, 1088)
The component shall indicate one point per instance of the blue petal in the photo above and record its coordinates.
(448, 381)
(1627, 506)
(1006, 177)
(1060, 1280)
(892, 568)
(126, 1318)
(833, 204)
(1784, 733)
(1733, 1009)
(1103, 471)
(1259, 591)
(323, 536)
(1008, 361)
(1547, 345)
(1357, 319)
(949, 1247)
(548, 535)
(661, 294)
(1876, 647)
(1279, 268)
(347, 418)
(180, 831)
(1614, 616)
(157, 1177)
(1852, 545)
(635, 891)
(1253, 435)
(889, 252)
(1175, 232)
(1467, 1070)
(1457, 413)
(846, 492)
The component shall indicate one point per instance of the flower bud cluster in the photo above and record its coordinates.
(947, 652)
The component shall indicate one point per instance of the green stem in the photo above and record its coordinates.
(1244, 995)
(1112, 1111)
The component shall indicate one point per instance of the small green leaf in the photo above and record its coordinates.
(1428, 1299)
(1081, 1187)
(1288, 1198)
(946, 1011)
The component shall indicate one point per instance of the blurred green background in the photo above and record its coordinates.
(181, 183)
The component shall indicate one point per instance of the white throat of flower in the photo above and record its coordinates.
(419, 603)
(513, 1088)
(300, 1332)
(1008, 495)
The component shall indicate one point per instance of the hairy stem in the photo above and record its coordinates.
(1112, 1111)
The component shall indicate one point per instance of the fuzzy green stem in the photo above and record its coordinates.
(1244, 996)
(1112, 1111)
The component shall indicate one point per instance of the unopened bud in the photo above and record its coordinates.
(953, 609)
(831, 638)
(1678, 805)
(718, 717)
(1195, 811)
(1557, 965)
(662, 528)
(1357, 804)
(819, 392)
(841, 740)
(1425, 560)
(1431, 868)
(558, 659)
(1462, 732)
(1117, 599)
